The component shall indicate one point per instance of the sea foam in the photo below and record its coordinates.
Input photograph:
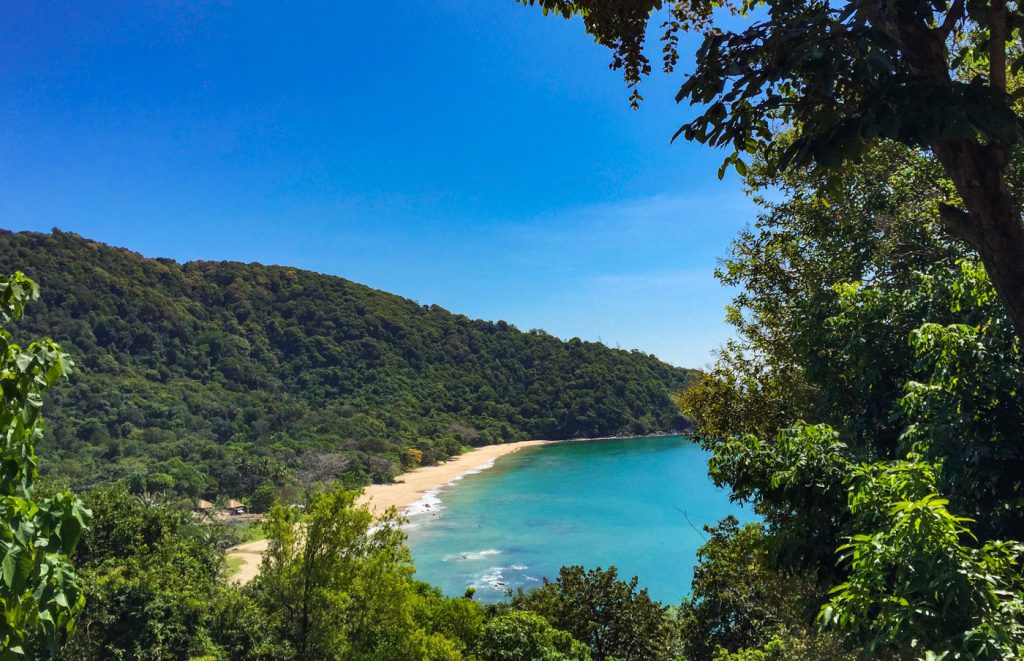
(500, 579)
(430, 502)
(470, 556)
(492, 579)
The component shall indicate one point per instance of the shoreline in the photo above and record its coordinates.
(409, 488)
(421, 483)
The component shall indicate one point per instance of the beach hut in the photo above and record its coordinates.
(235, 507)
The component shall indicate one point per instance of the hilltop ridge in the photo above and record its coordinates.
(208, 378)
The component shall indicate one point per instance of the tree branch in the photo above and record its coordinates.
(960, 224)
(953, 16)
(997, 44)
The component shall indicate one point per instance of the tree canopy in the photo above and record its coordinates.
(611, 616)
(868, 409)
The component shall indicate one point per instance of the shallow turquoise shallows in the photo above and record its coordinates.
(639, 504)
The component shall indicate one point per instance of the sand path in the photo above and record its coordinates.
(406, 490)
(251, 554)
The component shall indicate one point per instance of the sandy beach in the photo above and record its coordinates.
(412, 486)
(404, 492)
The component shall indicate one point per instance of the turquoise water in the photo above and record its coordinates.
(638, 504)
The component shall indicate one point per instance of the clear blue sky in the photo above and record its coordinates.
(469, 153)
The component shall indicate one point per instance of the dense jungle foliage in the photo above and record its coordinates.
(332, 586)
(870, 404)
(870, 408)
(216, 378)
(149, 578)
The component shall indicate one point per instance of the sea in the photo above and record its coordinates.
(639, 504)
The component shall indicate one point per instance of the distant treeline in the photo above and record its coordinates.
(217, 378)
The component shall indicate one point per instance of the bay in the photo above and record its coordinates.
(639, 504)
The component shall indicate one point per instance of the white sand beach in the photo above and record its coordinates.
(401, 494)
(414, 485)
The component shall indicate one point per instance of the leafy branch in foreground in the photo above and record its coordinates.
(39, 592)
(918, 581)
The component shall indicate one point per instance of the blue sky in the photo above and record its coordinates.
(468, 153)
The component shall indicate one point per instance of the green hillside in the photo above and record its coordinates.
(214, 378)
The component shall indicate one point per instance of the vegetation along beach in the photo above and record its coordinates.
(518, 330)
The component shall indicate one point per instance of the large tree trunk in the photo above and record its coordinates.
(992, 223)
(991, 220)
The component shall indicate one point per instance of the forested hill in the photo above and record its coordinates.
(218, 377)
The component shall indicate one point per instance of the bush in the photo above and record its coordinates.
(521, 635)
(609, 615)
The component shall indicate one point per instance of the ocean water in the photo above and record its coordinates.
(639, 504)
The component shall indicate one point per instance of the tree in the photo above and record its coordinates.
(263, 498)
(831, 301)
(338, 588)
(156, 589)
(918, 580)
(863, 316)
(609, 615)
(843, 76)
(40, 595)
(339, 585)
(739, 601)
(522, 635)
(459, 621)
